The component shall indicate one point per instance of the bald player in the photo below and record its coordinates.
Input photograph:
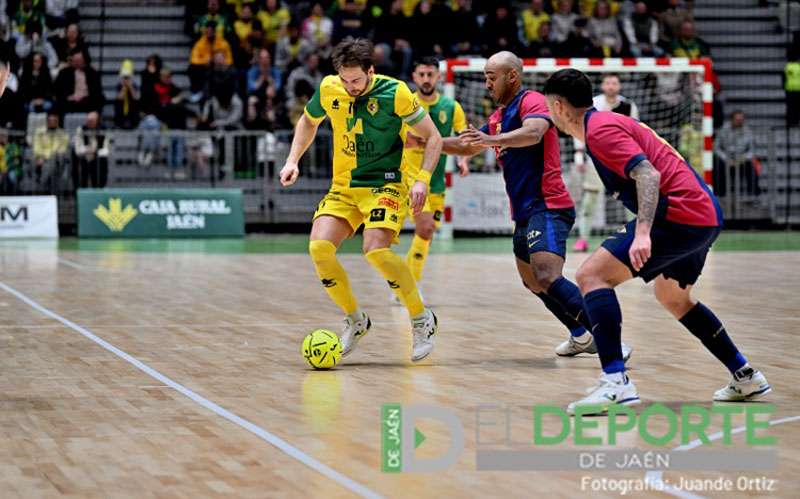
(526, 145)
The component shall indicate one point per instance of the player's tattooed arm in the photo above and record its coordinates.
(648, 181)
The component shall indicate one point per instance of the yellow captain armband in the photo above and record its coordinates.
(424, 176)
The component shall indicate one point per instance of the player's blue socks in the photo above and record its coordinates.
(569, 296)
(603, 309)
(555, 307)
(701, 322)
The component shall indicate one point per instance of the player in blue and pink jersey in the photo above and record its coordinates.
(526, 144)
(677, 220)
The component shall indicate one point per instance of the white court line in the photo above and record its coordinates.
(656, 476)
(70, 263)
(261, 433)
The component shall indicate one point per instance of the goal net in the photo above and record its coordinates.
(673, 97)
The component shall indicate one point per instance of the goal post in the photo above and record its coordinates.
(674, 97)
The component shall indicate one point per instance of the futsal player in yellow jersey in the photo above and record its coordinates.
(369, 187)
(448, 116)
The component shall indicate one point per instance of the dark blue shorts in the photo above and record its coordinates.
(544, 231)
(678, 251)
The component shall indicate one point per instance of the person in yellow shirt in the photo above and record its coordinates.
(448, 116)
(369, 185)
(274, 18)
(532, 18)
(207, 45)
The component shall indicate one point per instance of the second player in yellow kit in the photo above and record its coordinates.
(448, 116)
(369, 185)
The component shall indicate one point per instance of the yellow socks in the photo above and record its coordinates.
(332, 275)
(397, 274)
(416, 256)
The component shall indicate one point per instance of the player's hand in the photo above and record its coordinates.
(418, 193)
(639, 252)
(474, 137)
(463, 166)
(289, 173)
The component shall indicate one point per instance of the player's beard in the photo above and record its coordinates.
(427, 90)
(362, 91)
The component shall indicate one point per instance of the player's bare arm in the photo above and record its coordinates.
(304, 134)
(433, 150)
(529, 134)
(454, 146)
(648, 181)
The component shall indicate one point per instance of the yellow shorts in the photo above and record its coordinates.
(375, 207)
(434, 203)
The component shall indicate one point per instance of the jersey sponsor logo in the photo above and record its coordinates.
(437, 215)
(335, 104)
(386, 190)
(389, 203)
(442, 117)
(356, 147)
(377, 215)
(328, 283)
(372, 106)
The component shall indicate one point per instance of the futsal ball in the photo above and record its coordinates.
(322, 349)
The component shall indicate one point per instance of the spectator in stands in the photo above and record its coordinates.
(33, 41)
(734, 146)
(544, 46)
(11, 155)
(671, 20)
(641, 31)
(318, 28)
(461, 40)
(348, 21)
(60, 13)
(213, 15)
(126, 105)
(148, 78)
(563, 21)
(381, 61)
(292, 49)
(604, 31)
(78, 88)
(687, 44)
(72, 40)
(500, 30)
(791, 83)
(427, 34)
(36, 84)
(202, 55)
(274, 18)
(235, 6)
(309, 72)
(532, 18)
(222, 78)
(28, 11)
(578, 43)
(392, 31)
(303, 92)
(50, 150)
(263, 73)
(262, 108)
(223, 111)
(7, 43)
(243, 25)
(91, 146)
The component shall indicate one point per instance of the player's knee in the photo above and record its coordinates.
(321, 250)
(588, 279)
(545, 275)
(674, 302)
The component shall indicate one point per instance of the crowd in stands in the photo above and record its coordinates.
(254, 64)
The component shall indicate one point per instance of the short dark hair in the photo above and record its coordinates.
(610, 75)
(572, 85)
(353, 52)
(426, 61)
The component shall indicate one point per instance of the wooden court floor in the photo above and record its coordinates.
(173, 374)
